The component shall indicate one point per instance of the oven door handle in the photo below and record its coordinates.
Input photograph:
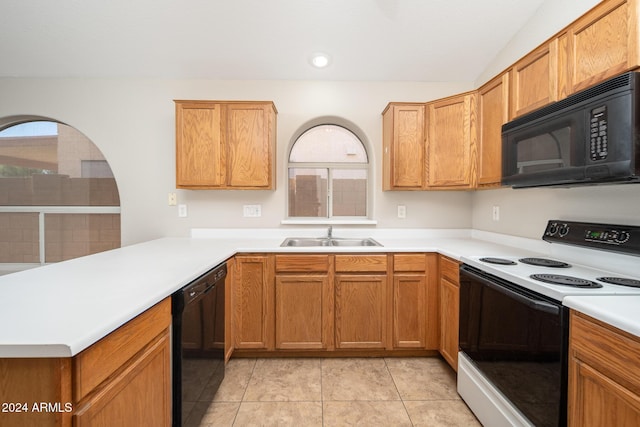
(530, 302)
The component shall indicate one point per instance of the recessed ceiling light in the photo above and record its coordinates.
(320, 60)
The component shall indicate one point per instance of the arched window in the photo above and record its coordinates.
(328, 172)
(58, 196)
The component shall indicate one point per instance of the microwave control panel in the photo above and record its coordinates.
(617, 238)
(598, 134)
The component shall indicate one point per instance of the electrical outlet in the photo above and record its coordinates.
(173, 199)
(252, 211)
(495, 214)
(182, 211)
(402, 211)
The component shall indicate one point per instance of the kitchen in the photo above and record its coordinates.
(132, 121)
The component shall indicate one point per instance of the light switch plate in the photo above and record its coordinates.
(172, 199)
(182, 211)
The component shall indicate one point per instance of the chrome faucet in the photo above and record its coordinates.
(330, 232)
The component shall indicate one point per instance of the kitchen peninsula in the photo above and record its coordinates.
(61, 313)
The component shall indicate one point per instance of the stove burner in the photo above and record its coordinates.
(544, 262)
(501, 261)
(558, 279)
(620, 281)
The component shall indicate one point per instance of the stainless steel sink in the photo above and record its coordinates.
(325, 241)
(306, 241)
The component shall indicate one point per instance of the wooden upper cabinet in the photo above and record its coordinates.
(599, 45)
(225, 145)
(452, 142)
(534, 81)
(493, 106)
(250, 145)
(403, 141)
(199, 154)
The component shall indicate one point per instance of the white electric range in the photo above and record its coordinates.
(514, 330)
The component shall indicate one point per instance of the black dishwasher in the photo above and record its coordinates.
(198, 345)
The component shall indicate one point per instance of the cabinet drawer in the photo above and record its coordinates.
(361, 263)
(612, 351)
(302, 263)
(449, 269)
(409, 262)
(96, 363)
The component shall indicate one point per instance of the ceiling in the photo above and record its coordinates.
(367, 40)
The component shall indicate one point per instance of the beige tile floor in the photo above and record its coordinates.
(336, 392)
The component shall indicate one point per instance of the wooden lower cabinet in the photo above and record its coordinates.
(449, 310)
(361, 311)
(415, 308)
(604, 374)
(303, 302)
(122, 380)
(362, 301)
(349, 303)
(302, 312)
(137, 396)
(253, 298)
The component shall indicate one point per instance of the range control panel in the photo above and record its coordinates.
(610, 237)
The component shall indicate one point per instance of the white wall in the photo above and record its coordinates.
(525, 212)
(132, 122)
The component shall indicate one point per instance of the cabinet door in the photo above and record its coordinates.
(403, 145)
(493, 105)
(604, 374)
(199, 155)
(534, 80)
(250, 145)
(409, 310)
(140, 395)
(361, 311)
(303, 311)
(598, 400)
(452, 142)
(253, 313)
(601, 44)
(449, 310)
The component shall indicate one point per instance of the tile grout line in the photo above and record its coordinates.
(398, 391)
(255, 362)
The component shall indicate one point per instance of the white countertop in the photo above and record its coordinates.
(620, 311)
(60, 309)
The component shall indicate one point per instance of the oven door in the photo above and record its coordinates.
(518, 340)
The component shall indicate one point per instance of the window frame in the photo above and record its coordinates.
(329, 167)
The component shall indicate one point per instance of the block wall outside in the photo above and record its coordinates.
(308, 197)
(66, 235)
(19, 238)
(70, 236)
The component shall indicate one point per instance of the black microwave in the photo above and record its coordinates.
(590, 137)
